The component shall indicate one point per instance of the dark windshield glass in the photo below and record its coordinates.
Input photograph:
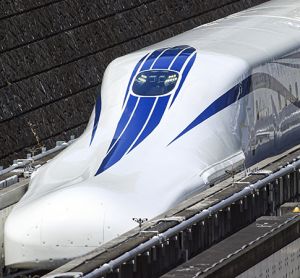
(154, 82)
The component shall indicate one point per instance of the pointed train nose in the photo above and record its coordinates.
(47, 232)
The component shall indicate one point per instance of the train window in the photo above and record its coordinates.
(155, 82)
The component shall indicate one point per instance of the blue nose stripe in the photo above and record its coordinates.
(97, 117)
(183, 77)
(180, 60)
(132, 76)
(128, 110)
(164, 61)
(154, 120)
(151, 59)
(136, 124)
(140, 117)
(237, 92)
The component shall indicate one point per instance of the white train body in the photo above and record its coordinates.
(169, 121)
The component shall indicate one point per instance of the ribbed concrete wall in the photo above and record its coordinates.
(53, 54)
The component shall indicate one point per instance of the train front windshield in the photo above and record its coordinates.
(155, 82)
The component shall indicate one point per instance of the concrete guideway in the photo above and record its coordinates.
(196, 224)
(236, 255)
(191, 227)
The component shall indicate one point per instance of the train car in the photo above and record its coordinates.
(168, 122)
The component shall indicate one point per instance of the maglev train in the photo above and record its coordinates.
(169, 121)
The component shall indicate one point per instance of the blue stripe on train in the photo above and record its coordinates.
(165, 60)
(234, 94)
(131, 132)
(154, 120)
(132, 76)
(184, 75)
(128, 110)
(97, 117)
(151, 58)
(180, 60)
(131, 127)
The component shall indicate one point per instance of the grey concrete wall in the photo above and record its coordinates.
(283, 263)
(53, 54)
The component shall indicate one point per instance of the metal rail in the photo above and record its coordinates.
(60, 145)
(158, 239)
(8, 181)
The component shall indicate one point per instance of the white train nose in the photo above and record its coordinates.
(48, 231)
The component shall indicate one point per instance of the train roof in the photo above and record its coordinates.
(255, 35)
